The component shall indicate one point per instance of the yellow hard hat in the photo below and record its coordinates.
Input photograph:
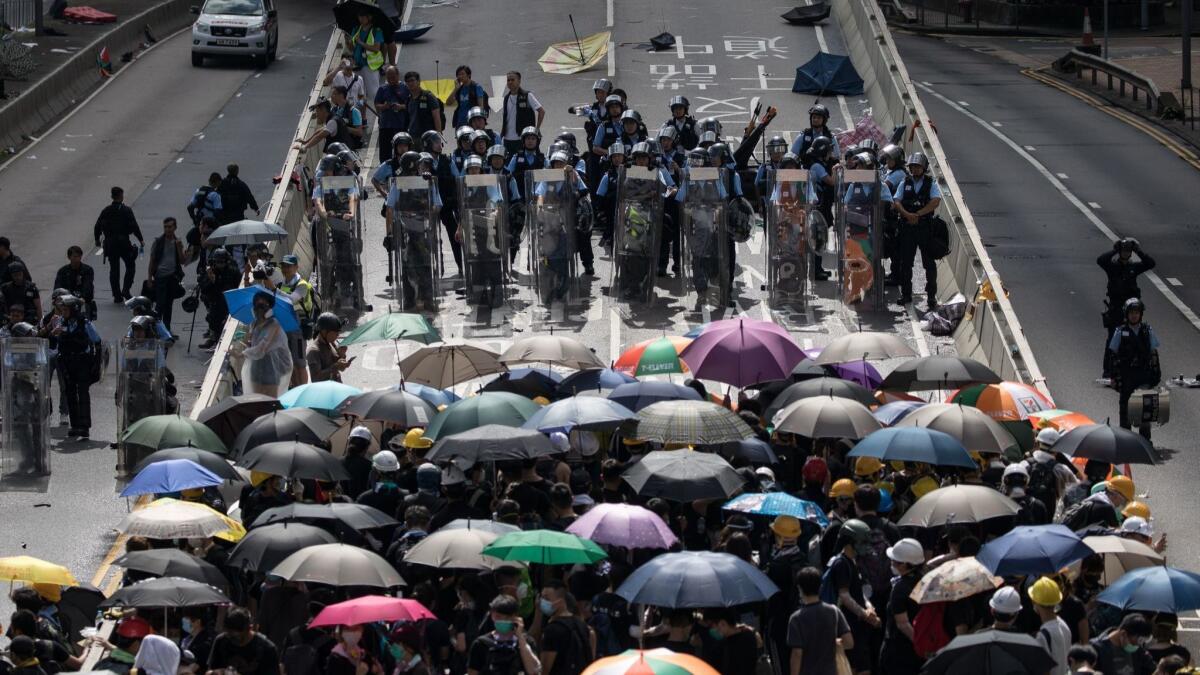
(1136, 508)
(867, 466)
(896, 465)
(415, 439)
(631, 441)
(1123, 485)
(923, 486)
(541, 400)
(1045, 592)
(787, 527)
(192, 493)
(842, 488)
(257, 477)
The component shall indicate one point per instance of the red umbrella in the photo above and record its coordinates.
(371, 608)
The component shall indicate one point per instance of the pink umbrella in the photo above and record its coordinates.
(623, 525)
(370, 608)
(742, 352)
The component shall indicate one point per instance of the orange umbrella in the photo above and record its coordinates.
(1004, 401)
(657, 356)
(1057, 418)
(650, 662)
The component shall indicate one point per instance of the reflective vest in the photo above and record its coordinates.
(914, 200)
(304, 310)
(374, 59)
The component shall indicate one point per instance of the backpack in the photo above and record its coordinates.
(199, 201)
(344, 117)
(874, 565)
(929, 632)
(1078, 516)
(575, 659)
(1042, 483)
(300, 660)
(502, 657)
(829, 592)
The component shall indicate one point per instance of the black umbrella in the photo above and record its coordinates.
(354, 516)
(492, 443)
(820, 386)
(808, 369)
(753, 450)
(683, 476)
(346, 13)
(990, 651)
(295, 460)
(209, 460)
(166, 592)
(80, 604)
(295, 424)
(390, 405)
(528, 382)
(172, 562)
(938, 372)
(1106, 444)
(265, 547)
(231, 414)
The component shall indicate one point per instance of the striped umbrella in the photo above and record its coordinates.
(691, 422)
(659, 661)
(1005, 401)
(659, 356)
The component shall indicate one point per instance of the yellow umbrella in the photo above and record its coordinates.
(574, 56)
(36, 571)
(441, 88)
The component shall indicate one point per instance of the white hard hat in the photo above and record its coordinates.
(1016, 469)
(1137, 525)
(452, 475)
(1048, 436)
(361, 432)
(765, 472)
(385, 461)
(1006, 601)
(559, 440)
(907, 550)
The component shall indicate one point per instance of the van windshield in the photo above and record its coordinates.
(236, 7)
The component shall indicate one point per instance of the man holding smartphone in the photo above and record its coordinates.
(391, 104)
(326, 360)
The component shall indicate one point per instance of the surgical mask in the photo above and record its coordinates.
(186, 624)
(398, 653)
(1130, 649)
(522, 590)
(504, 626)
(351, 637)
(546, 606)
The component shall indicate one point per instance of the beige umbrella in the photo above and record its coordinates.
(863, 346)
(975, 429)
(954, 580)
(958, 504)
(1122, 555)
(339, 565)
(555, 349)
(171, 519)
(445, 364)
(457, 549)
(826, 417)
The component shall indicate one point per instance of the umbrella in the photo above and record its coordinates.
(891, 413)
(1154, 589)
(80, 605)
(445, 364)
(554, 349)
(1033, 550)
(345, 13)
(231, 414)
(438, 398)
(863, 346)
(638, 395)
(35, 571)
(320, 396)
(575, 56)
(691, 422)
(807, 15)
(958, 504)
(659, 661)
(173, 519)
(338, 565)
(265, 547)
(172, 562)
(171, 431)
(528, 382)
(939, 372)
(244, 232)
(1062, 420)
(753, 450)
(241, 306)
(777, 504)
(742, 352)
(914, 444)
(1121, 555)
(294, 459)
(172, 475)
(545, 547)
(456, 549)
(683, 476)
(658, 356)
(593, 379)
(991, 651)
(1105, 443)
(623, 525)
(828, 75)
(389, 405)
(806, 369)
(826, 417)
(971, 426)
(370, 609)
(166, 592)
(393, 326)
(494, 407)
(858, 372)
(496, 528)
(696, 579)
(819, 386)
(353, 516)
(954, 580)
(298, 424)
(491, 443)
(584, 412)
(1004, 401)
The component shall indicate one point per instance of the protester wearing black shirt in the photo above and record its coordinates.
(566, 640)
(242, 648)
(907, 558)
(235, 196)
(505, 650)
(734, 646)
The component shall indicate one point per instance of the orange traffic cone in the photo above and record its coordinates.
(1087, 29)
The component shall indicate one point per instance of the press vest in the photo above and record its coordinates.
(304, 310)
(525, 116)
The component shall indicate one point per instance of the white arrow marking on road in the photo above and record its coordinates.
(496, 100)
(1094, 205)
(1174, 282)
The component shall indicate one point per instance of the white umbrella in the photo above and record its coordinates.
(173, 520)
(457, 548)
(863, 346)
(244, 232)
(557, 349)
(1122, 555)
(826, 417)
(445, 364)
(339, 565)
(958, 504)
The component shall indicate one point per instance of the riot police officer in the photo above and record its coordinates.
(1122, 272)
(606, 191)
(683, 123)
(139, 392)
(402, 143)
(821, 184)
(221, 275)
(78, 345)
(595, 112)
(480, 142)
(818, 120)
(442, 169)
(528, 158)
(416, 248)
(776, 148)
(916, 200)
(21, 290)
(1135, 359)
(29, 407)
(477, 118)
(462, 148)
(891, 169)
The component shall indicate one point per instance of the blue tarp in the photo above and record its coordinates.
(828, 75)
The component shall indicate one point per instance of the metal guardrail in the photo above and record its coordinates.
(22, 13)
(1163, 104)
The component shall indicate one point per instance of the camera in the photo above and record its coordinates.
(262, 270)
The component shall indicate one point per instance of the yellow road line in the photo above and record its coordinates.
(114, 552)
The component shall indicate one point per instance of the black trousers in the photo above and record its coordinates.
(915, 238)
(449, 218)
(120, 287)
(164, 298)
(79, 398)
(583, 245)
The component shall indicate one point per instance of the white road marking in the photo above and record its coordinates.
(1174, 282)
(1087, 212)
(238, 95)
(1063, 176)
(964, 104)
(257, 75)
(918, 334)
(179, 160)
(608, 13)
(199, 137)
(840, 99)
(1030, 148)
(496, 100)
(614, 334)
(220, 115)
(1094, 205)
(156, 186)
(997, 124)
(612, 57)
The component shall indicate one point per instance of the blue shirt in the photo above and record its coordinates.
(868, 189)
(392, 119)
(394, 194)
(212, 203)
(513, 194)
(737, 188)
(540, 188)
(835, 152)
(1115, 341)
(894, 178)
(934, 191)
(816, 177)
(160, 331)
(464, 102)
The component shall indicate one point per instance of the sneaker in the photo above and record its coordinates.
(590, 271)
(82, 434)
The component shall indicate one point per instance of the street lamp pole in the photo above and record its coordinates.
(1186, 82)
(1106, 29)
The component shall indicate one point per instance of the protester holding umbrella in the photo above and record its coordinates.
(268, 366)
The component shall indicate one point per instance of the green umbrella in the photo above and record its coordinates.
(545, 547)
(173, 431)
(394, 326)
(490, 407)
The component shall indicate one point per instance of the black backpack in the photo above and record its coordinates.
(199, 202)
(1042, 483)
(576, 658)
(503, 658)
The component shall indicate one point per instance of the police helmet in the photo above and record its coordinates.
(463, 133)
(335, 148)
(73, 301)
(329, 164)
(640, 148)
(710, 124)
(349, 159)
(865, 160)
(17, 266)
(819, 109)
(851, 151)
(1135, 304)
(820, 148)
(428, 138)
(616, 149)
(474, 161)
(409, 162)
(613, 99)
(680, 100)
(329, 321)
(697, 157)
(789, 161)
(477, 112)
(426, 158)
(603, 85)
(402, 137)
(145, 322)
(480, 135)
(139, 304)
(892, 152)
(631, 116)
(869, 145)
(719, 152)
(776, 144)
(22, 330)
(219, 255)
(58, 293)
(568, 138)
(495, 151)
(668, 132)
(531, 131)
(559, 156)
(558, 146)
(708, 138)
(655, 146)
(918, 159)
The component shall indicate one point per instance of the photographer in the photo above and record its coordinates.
(1122, 271)
(301, 293)
(219, 276)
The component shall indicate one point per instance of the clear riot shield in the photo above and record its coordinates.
(416, 241)
(342, 259)
(550, 215)
(139, 393)
(483, 224)
(860, 236)
(787, 213)
(704, 238)
(26, 393)
(636, 230)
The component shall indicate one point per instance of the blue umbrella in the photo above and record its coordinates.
(914, 444)
(431, 395)
(827, 75)
(753, 450)
(638, 395)
(594, 379)
(172, 475)
(322, 396)
(1033, 549)
(777, 504)
(586, 412)
(241, 306)
(890, 413)
(697, 579)
(1154, 589)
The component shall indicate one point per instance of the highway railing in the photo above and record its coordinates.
(1164, 104)
(991, 331)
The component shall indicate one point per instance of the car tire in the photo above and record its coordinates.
(271, 53)
(260, 60)
(197, 60)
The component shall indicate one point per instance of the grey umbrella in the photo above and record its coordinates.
(690, 422)
(971, 426)
(338, 565)
(820, 386)
(826, 417)
(265, 547)
(863, 346)
(958, 504)
(683, 476)
(456, 548)
(244, 232)
(295, 424)
(1105, 443)
(491, 443)
(697, 579)
(353, 516)
(166, 592)
(445, 364)
(556, 349)
(295, 460)
(172, 562)
(938, 372)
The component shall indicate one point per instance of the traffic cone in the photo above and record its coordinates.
(1087, 29)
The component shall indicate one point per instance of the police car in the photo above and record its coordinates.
(235, 28)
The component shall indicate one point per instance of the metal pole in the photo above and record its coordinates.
(39, 18)
(1187, 44)
(1105, 29)
(1145, 18)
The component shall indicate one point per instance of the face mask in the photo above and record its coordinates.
(186, 624)
(897, 571)
(398, 652)
(351, 637)
(715, 634)
(1130, 649)
(503, 626)
(546, 606)
(522, 590)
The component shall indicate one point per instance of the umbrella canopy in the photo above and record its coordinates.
(393, 326)
(492, 526)
(438, 398)
(574, 56)
(1033, 550)
(819, 386)
(1105, 443)
(659, 356)
(891, 413)
(1154, 589)
(491, 443)
(298, 424)
(1004, 401)
(353, 516)
(1121, 555)
(828, 75)
(683, 476)
(172, 562)
(807, 369)
(338, 565)
(638, 395)
(691, 422)
(173, 519)
(914, 444)
(697, 579)
(389, 405)
(80, 604)
(166, 592)
(528, 382)
(321, 396)
(494, 407)
(659, 661)
(939, 372)
(265, 547)
(346, 12)
(742, 352)
(777, 504)
(545, 547)
(294, 460)
(589, 413)
(1062, 420)
(991, 651)
(554, 349)
(958, 504)
(172, 475)
(954, 580)
(35, 571)
(593, 380)
(369, 609)
(753, 450)
(826, 417)
(455, 549)
(231, 414)
(445, 364)
(209, 460)
(172, 431)
(858, 372)
(241, 306)
(623, 525)
(970, 426)
(244, 232)
(863, 346)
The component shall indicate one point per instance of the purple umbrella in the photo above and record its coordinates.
(860, 372)
(623, 525)
(742, 352)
